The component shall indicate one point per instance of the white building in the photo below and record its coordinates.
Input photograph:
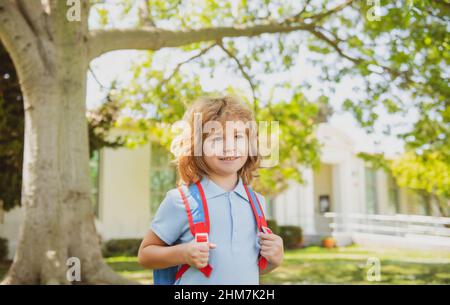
(349, 200)
(364, 204)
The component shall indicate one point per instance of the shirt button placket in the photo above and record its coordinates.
(234, 237)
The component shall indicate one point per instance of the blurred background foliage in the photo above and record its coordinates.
(398, 53)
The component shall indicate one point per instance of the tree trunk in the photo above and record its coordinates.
(442, 204)
(59, 219)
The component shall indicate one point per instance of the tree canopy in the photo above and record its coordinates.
(397, 53)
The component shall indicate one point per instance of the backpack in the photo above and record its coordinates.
(199, 224)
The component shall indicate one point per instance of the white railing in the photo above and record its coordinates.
(396, 225)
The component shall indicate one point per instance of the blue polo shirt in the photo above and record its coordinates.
(232, 228)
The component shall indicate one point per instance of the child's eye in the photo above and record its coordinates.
(239, 136)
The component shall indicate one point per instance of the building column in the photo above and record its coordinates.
(346, 189)
(306, 202)
(295, 206)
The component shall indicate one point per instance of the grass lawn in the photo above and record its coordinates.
(315, 265)
(347, 265)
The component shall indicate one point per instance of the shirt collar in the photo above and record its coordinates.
(213, 190)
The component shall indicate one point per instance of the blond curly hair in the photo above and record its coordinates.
(192, 168)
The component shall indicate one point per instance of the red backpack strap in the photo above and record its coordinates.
(204, 213)
(256, 208)
(262, 217)
(197, 224)
(188, 210)
(260, 220)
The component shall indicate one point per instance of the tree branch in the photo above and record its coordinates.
(358, 60)
(28, 10)
(443, 3)
(59, 8)
(335, 46)
(11, 16)
(102, 41)
(33, 13)
(96, 79)
(299, 15)
(19, 40)
(242, 69)
(334, 10)
(145, 15)
(177, 68)
(317, 17)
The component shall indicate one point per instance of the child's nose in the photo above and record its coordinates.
(230, 151)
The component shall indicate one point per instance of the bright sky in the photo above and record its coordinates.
(116, 66)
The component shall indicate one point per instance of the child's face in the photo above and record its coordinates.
(226, 153)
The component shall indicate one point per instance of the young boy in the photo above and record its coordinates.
(236, 243)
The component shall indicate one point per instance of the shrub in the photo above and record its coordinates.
(292, 236)
(272, 224)
(3, 248)
(121, 247)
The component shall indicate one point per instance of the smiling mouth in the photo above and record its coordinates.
(228, 158)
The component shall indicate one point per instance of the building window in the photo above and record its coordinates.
(394, 195)
(162, 176)
(94, 165)
(371, 191)
(324, 204)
